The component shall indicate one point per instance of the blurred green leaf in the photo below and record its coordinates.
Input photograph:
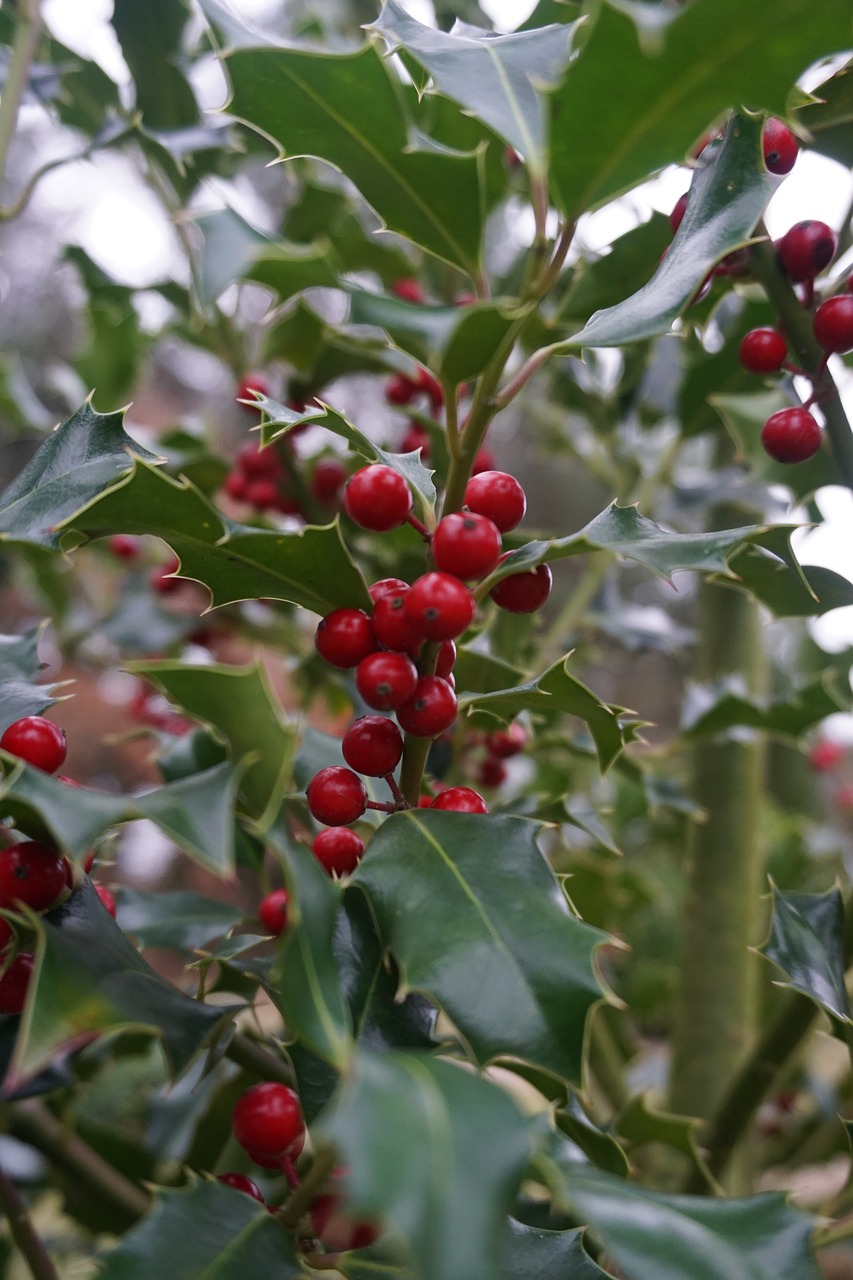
(232, 249)
(715, 706)
(20, 695)
(182, 919)
(150, 33)
(827, 117)
(807, 943)
(450, 884)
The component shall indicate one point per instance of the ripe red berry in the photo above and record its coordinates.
(677, 216)
(779, 145)
(806, 249)
(428, 383)
(416, 438)
(460, 800)
(440, 606)
(31, 873)
(378, 498)
(791, 435)
(445, 660)
(249, 384)
(240, 1182)
(484, 460)
(267, 1118)
(263, 494)
(255, 461)
(386, 680)
(338, 1230)
(336, 796)
(833, 324)
(504, 743)
(523, 592)
(344, 637)
(237, 485)
(763, 350)
(400, 389)
(373, 746)
(826, 755)
(393, 627)
(272, 912)
(107, 899)
(430, 710)
(386, 587)
(492, 772)
(408, 289)
(14, 983)
(36, 741)
(499, 496)
(161, 578)
(328, 480)
(338, 850)
(124, 546)
(467, 544)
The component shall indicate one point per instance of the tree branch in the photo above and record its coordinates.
(24, 1234)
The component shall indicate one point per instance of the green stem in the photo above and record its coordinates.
(24, 1233)
(257, 1060)
(299, 1202)
(606, 1062)
(27, 35)
(796, 321)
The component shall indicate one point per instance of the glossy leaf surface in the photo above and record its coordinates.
(182, 919)
(807, 943)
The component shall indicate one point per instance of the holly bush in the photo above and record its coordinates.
(473, 971)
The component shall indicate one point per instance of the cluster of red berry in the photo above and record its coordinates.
(267, 1122)
(32, 873)
(403, 652)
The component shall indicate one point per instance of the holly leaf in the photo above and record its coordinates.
(184, 920)
(239, 705)
(350, 110)
(472, 1144)
(196, 812)
(311, 568)
(556, 690)
(727, 197)
(89, 978)
(20, 695)
(232, 250)
(471, 877)
(674, 82)
(498, 78)
(807, 943)
(651, 1236)
(534, 1253)
(718, 705)
(78, 461)
(232, 1236)
(639, 1123)
(150, 37)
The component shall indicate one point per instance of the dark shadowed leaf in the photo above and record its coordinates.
(149, 32)
(183, 919)
(448, 884)
(20, 695)
(807, 943)
(533, 1253)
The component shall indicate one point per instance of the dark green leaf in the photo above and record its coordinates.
(447, 884)
(182, 919)
(91, 979)
(497, 78)
(472, 1144)
(238, 703)
(827, 117)
(83, 458)
(318, 351)
(533, 1253)
(711, 55)
(477, 672)
(639, 1123)
(234, 250)
(149, 32)
(807, 943)
(600, 1147)
(205, 1232)
(720, 705)
(20, 695)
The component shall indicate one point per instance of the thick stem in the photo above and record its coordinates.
(27, 35)
(33, 1123)
(257, 1060)
(24, 1233)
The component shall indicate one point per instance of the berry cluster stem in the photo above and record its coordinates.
(24, 1234)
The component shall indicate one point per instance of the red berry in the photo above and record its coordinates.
(327, 481)
(806, 249)
(14, 983)
(826, 755)
(377, 498)
(440, 606)
(466, 544)
(386, 587)
(484, 460)
(249, 384)
(499, 496)
(677, 216)
(428, 383)
(460, 800)
(446, 658)
(763, 351)
(338, 1230)
(386, 680)
(124, 546)
(267, 1118)
(779, 145)
(263, 494)
(430, 710)
(240, 1182)
(399, 389)
(272, 912)
(791, 435)
(161, 578)
(344, 637)
(237, 485)
(416, 438)
(833, 324)
(523, 592)
(258, 462)
(373, 746)
(393, 627)
(504, 743)
(338, 850)
(336, 796)
(408, 289)
(107, 899)
(31, 873)
(36, 741)
(492, 772)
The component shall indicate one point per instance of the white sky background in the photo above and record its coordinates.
(124, 228)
